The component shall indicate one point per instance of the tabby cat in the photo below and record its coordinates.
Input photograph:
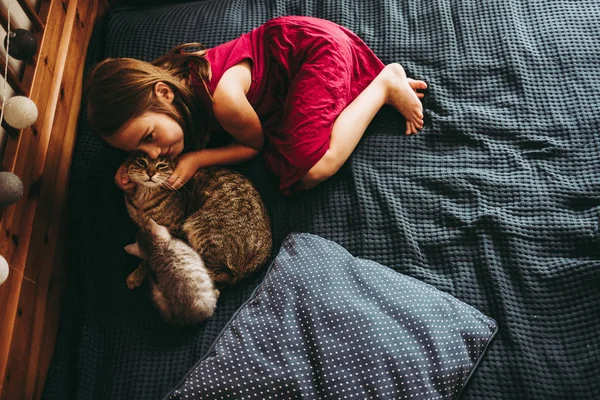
(174, 267)
(218, 213)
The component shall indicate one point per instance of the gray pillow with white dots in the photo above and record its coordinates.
(326, 324)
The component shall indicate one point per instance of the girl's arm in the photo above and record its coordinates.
(232, 153)
(235, 114)
(232, 109)
(188, 163)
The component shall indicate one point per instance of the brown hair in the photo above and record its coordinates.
(119, 89)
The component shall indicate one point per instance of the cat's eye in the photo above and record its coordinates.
(141, 162)
(162, 166)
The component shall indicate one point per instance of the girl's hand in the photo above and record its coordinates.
(187, 165)
(122, 178)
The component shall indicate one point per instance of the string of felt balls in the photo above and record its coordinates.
(19, 112)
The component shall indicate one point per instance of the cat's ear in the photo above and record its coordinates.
(157, 230)
(135, 250)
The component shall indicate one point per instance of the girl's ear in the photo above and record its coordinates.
(163, 91)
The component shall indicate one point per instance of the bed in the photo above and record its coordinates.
(33, 228)
(496, 202)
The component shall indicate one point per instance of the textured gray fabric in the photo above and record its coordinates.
(495, 202)
(326, 324)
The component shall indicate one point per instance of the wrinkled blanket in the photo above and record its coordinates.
(496, 201)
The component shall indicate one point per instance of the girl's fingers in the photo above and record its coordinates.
(129, 188)
(172, 181)
(123, 174)
(125, 185)
(176, 182)
(121, 182)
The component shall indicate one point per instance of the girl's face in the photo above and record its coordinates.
(153, 133)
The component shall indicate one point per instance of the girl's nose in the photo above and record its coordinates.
(153, 152)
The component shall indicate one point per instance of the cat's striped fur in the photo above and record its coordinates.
(218, 213)
(181, 287)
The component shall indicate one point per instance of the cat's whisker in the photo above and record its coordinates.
(185, 188)
(178, 191)
(168, 186)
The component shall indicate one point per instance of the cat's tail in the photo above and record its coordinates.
(202, 308)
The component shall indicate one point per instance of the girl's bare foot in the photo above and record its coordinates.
(403, 96)
(414, 84)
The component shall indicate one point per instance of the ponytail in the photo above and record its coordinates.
(187, 59)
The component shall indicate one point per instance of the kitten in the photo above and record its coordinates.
(218, 213)
(181, 288)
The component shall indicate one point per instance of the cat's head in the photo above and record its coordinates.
(150, 237)
(152, 173)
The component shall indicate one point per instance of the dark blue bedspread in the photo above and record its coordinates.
(496, 201)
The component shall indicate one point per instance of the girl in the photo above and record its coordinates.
(301, 90)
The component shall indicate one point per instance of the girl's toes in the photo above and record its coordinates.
(417, 84)
(412, 128)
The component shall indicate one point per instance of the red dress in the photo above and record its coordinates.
(305, 71)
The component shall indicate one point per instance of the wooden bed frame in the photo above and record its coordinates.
(33, 229)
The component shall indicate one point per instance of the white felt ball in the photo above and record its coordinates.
(11, 188)
(20, 112)
(3, 270)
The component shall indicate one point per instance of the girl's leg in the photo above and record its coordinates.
(391, 87)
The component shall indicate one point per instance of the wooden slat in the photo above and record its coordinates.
(27, 76)
(41, 156)
(12, 132)
(29, 11)
(4, 20)
(40, 262)
(13, 80)
(18, 218)
(32, 15)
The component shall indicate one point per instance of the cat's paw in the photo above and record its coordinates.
(134, 280)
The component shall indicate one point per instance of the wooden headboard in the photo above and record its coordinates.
(33, 228)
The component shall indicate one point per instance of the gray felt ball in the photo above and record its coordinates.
(11, 188)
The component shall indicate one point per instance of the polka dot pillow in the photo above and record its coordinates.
(324, 324)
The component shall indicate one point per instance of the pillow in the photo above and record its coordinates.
(324, 324)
